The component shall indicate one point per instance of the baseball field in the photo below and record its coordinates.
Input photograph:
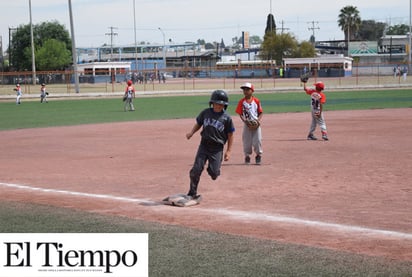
(312, 208)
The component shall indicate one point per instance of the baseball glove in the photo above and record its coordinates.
(252, 124)
(304, 78)
(124, 98)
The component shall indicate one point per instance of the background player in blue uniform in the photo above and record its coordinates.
(217, 129)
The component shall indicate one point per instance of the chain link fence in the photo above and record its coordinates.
(199, 79)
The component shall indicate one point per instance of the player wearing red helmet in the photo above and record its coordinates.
(128, 96)
(318, 99)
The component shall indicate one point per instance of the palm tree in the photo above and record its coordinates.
(349, 21)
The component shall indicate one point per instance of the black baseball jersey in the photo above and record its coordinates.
(216, 126)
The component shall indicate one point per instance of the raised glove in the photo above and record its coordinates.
(304, 78)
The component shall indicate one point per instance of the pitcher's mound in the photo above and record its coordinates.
(182, 200)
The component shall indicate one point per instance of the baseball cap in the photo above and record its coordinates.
(248, 85)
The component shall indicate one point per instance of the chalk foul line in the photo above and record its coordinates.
(251, 216)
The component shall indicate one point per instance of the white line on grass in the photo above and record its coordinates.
(252, 216)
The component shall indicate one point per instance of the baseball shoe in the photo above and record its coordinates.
(312, 137)
(194, 197)
(258, 159)
(325, 137)
(247, 160)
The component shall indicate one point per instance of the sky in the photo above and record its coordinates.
(179, 21)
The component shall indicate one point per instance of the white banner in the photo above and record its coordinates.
(74, 254)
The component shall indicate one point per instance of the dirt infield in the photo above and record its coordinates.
(352, 193)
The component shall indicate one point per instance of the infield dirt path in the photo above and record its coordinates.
(352, 193)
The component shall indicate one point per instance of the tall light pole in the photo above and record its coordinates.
(74, 53)
(164, 47)
(135, 36)
(33, 62)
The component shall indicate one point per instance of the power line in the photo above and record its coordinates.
(283, 28)
(313, 28)
(111, 34)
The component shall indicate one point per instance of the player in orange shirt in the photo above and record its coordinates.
(128, 96)
(317, 102)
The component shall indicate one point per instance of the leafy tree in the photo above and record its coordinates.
(306, 50)
(371, 30)
(279, 46)
(276, 47)
(20, 46)
(267, 51)
(209, 46)
(255, 40)
(401, 29)
(52, 55)
(349, 21)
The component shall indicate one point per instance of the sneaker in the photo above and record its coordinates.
(258, 159)
(325, 137)
(193, 197)
(311, 137)
(247, 160)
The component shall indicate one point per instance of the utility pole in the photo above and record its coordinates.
(74, 52)
(111, 34)
(313, 28)
(33, 62)
(283, 28)
(164, 47)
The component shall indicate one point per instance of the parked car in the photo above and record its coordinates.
(168, 75)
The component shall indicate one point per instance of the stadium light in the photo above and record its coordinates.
(135, 36)
(164, 47)
(74, 53)
(33, 62)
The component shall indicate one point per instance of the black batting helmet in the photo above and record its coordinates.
(219, 97)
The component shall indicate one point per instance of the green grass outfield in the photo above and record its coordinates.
(177, 251)
(32, 114)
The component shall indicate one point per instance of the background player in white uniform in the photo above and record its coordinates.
(43, 93)
(19, 94)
